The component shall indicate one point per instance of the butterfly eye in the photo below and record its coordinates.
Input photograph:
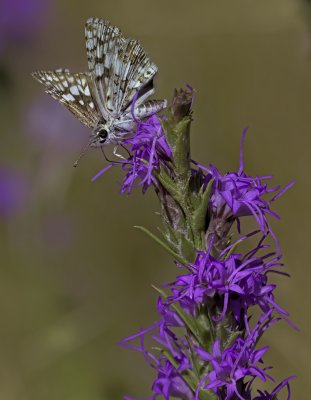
(102, 134)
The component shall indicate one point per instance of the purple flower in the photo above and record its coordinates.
(233, 281)
(231, 366)
(149, 151)
(13, 192)
(21, 20)
(272, 396)
(237, 195)
(170, 383)
(230, 371)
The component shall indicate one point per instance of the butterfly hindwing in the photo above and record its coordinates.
(72, 90)
(134, 70)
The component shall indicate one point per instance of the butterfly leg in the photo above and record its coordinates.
(107, 159)
(117, 154)
(126, 149)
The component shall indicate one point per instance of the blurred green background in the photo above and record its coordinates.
(75, 276)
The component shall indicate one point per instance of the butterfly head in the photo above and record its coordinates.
(101, 134)
(112, 131)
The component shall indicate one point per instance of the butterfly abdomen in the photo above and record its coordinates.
(149, 108)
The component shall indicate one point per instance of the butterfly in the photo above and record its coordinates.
(112, 96)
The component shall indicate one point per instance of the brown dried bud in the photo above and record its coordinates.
(182, 103)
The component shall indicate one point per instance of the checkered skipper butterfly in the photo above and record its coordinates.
(119, 81)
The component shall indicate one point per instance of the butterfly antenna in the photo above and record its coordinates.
(83, 152)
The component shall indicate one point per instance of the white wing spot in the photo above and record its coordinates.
(74, 90)
(107, 61)
(89, 44)
(68, 97)
(99, 69)
(85, 90)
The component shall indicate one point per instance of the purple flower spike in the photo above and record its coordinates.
(233, 282)
(237, 195)
(206, 341)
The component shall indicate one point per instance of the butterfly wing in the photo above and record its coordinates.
(72, 90)
(103, 42)
(135, 73)
(120, 67)
(149, 108)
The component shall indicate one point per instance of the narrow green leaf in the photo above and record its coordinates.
(230, 251)
(172, 236)
(178, 137)
(162, 293)
(206, 329)
(196, 198)
(190, 379)
(195, 360)
(161, 243)
(207, 395)
(167, 126)
(175, 189)
(187, 249)
(181, 155)
(187, 319)
(232, 338)
(168, 183)
(199, 214)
